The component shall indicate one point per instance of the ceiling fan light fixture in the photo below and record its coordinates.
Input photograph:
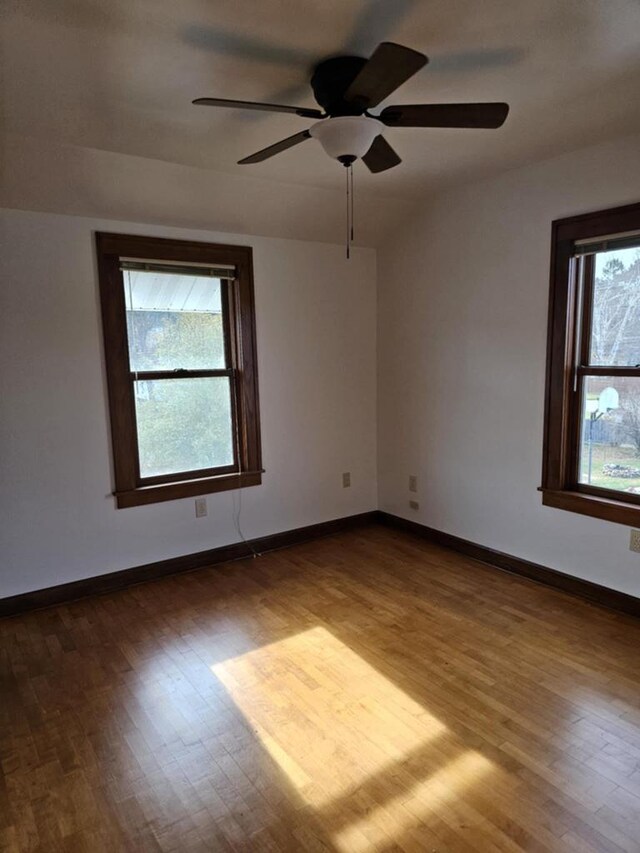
(347, 137)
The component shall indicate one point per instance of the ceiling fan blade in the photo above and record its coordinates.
(389, 67)
(276, 148)
(305, 112)
(380, 156)
(445, 115)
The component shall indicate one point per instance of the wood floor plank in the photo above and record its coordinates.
(365, 692)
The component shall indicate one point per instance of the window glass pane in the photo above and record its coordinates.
(610, 445)
(615, 327)
(183, 424)
(173, 321)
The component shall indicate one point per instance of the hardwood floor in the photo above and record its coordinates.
(367, 691)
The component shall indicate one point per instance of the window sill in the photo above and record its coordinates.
(186, 489)
(597, 507)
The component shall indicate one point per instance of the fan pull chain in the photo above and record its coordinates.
(352, 197)
(348, 216)
(349, 171)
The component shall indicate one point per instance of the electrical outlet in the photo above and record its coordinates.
(413, 483)
(346, 480)
(201, 507)
(414, 504)
(634, 541)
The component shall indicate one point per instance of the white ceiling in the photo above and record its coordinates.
(119, 76)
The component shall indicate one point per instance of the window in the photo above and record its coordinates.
(179, 335)
(592, 423)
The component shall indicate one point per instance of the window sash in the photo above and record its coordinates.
(198, 473)
(585, 276)
(609, 494)
(178, 268)
(607, 243)
(574, 482)
(185, 373)
(568, 368)
(181, 373)
(225, 304)
(604, 370)
(240, 358)
(573, 243)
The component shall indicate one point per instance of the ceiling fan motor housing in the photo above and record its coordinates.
(330, 81)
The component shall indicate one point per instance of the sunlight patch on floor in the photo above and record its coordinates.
(325, 715)
(355, 747)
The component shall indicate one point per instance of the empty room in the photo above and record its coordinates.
(320, 426)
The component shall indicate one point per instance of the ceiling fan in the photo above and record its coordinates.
(347, 87)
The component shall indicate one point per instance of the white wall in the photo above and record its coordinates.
(462, 327)
(316, 349)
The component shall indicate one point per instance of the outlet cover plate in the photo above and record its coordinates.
(201, 507)
(346, 480)
(414, 504)
(634, 541)
(413, 483)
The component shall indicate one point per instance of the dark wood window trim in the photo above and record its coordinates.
(569, 314)
(241, 367)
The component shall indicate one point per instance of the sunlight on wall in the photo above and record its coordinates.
(358, 749)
